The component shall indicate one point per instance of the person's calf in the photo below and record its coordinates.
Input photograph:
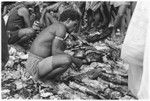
(55, 63)
(67, 60)
(64, 62)
(58, 69)
(56, 73)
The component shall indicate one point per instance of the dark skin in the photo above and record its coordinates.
(48, 17)
(5, 54)
(23, 33)
(46, 45)
(118, 19)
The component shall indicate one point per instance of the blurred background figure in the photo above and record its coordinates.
(51, 13)
(4, 51)
(19, 26)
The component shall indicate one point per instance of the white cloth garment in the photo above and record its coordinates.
(6, 18)
(135, 50)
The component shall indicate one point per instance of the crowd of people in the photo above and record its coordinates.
(52, 21)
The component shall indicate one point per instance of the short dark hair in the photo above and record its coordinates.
(70, 13)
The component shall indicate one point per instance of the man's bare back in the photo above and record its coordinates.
(44, 44)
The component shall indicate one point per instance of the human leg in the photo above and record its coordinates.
(56, 72)
(89, 19)
(97, 18)
(106, 15)
(5, 54)
(52, 66)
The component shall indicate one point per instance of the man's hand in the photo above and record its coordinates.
(76, 66)
(77, 62)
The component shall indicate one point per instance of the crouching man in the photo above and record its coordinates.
(47, 58)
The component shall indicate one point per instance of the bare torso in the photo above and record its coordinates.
(43, 45)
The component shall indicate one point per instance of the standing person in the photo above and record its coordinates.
(47, 58)
(18, 25)
(93, 13)
(134, 53)
(118, 9)
(4, 52)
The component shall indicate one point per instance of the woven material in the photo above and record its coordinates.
(32, 65)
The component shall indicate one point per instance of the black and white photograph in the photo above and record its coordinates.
(75, 50)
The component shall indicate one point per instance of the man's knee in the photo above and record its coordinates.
(67, 59)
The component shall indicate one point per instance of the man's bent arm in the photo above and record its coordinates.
(25, 14)
(58, 46)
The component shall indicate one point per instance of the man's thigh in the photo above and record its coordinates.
(51, 63)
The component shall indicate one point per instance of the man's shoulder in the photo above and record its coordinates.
(58, 24)
(60, 29)
(23, 10)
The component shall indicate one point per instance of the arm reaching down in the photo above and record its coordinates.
(25, 14)
(76, 61)
(58, 45)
